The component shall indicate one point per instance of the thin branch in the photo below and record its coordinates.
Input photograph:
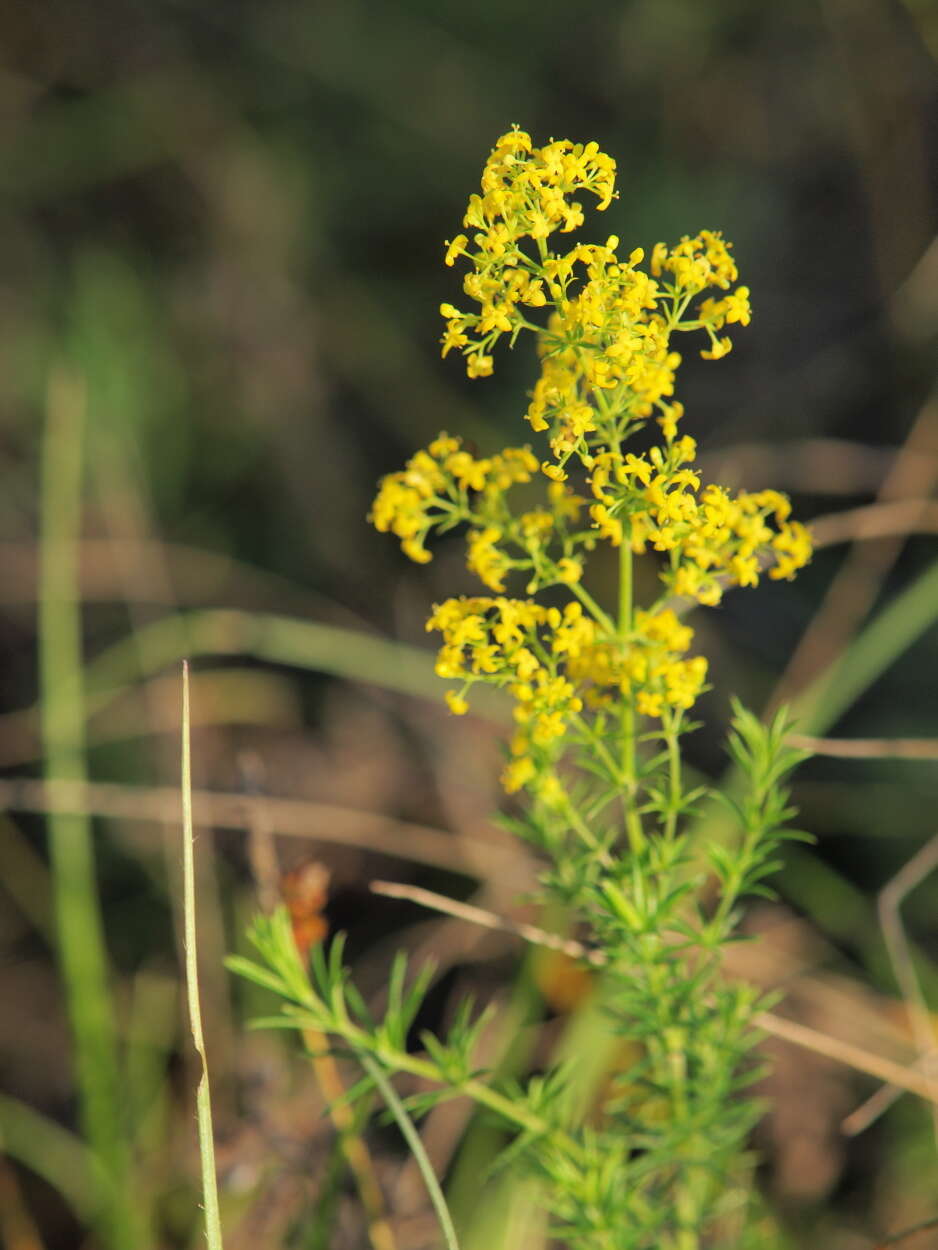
(488, 920)
(768, 1021)
(878, 520)
(869, 1111)
(891, 897)
(868, 748)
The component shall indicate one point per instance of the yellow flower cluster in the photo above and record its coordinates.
(607, 368)
(556, 661)
(606, 344)
(524, 196)
(713, 540)
(432, 490)
(498, 640)
(444, 485)
(606, 338)
(650, 665)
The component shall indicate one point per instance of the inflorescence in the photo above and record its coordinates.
(607, 370)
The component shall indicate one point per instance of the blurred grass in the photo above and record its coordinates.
(229, 218)
(80, 936)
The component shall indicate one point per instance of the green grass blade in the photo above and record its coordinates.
(275, 639)
(897, 626)
(61, 1158)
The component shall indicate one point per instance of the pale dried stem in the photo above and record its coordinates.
(877, 520)
(262, 850)
(477, 856)
(868, 748)
(778, 1026)
(891, 897)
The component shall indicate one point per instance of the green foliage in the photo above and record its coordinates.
(601, 708)
(659, 1164)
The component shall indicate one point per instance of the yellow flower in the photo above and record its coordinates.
(569, 570)
(454, 336)
(550, 791)
(553, 471)
(517, 774)
(417, 552)
(479, 365)
(449, 662)
(456, 248)
(574, 634)
(485, 559)
(486, 659)
(457, 704)
(792, 549)
(648, 704)
(745, 570)
(467, 471)
(609, 526)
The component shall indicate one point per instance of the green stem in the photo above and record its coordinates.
(583, 829)
(633, 821)
(82, 952)
(599, 746)
(601, 617)
(411, 1136)
(672, 731)
(401, 1061)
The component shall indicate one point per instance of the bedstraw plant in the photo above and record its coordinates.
(602, 695)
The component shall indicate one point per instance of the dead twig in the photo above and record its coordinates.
(894, 1238)
(778, 1026)
(891, 897)
(876, 520)
(868, 748)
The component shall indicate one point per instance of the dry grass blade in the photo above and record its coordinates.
(203, 1095)
(487, 920)
(299, 818)
(869, 1111)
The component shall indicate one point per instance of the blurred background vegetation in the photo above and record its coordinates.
(220, 269)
